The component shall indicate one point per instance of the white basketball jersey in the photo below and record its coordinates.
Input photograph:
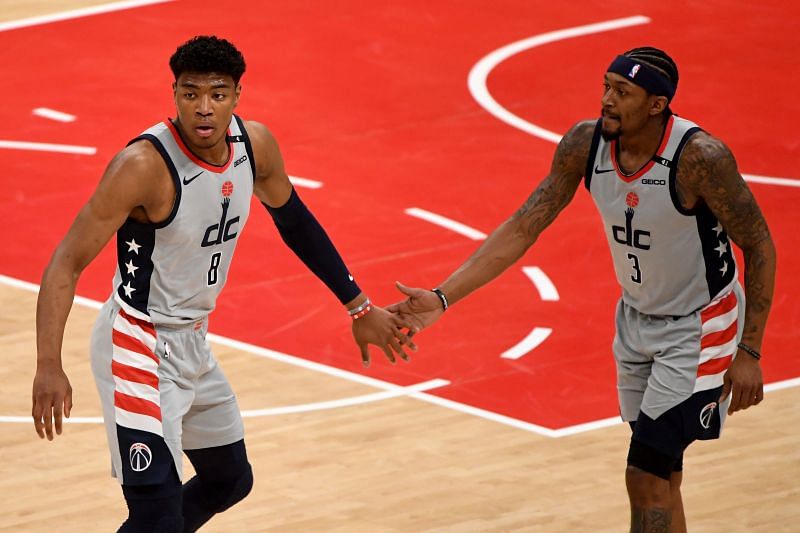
(173, 271)
(668, 260)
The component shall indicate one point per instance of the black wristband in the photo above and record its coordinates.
(438, 292)
(751, 351)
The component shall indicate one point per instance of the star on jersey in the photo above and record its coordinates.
(132, 246)
(128, 289)
(718, 229)
(722, 248)
(131, 268)
(724, 268)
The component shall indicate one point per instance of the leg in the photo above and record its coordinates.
(153, 508)
(678, 516)
(647, 478)
(224, 477)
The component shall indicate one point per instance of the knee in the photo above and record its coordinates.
(647, 490)
(235, 490)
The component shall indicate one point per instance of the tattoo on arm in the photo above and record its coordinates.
(558, 188)
(708, 169)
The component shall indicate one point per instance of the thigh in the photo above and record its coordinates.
(633, 364)
(214, 418)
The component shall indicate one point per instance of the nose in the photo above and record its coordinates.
(607, 97)
(204, 106)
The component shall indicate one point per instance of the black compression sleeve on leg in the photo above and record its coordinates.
(308, 240)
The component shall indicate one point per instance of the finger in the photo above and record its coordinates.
(57, 410)
(405, 339)
(399, 349)
(402, 288)
(726, 389)
(737, 398)
(389, 354)
(68, 403)
(48, 421)
(38, 425)
(364, 355)
(759, 394)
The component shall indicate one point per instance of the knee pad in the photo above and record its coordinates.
(236, 490)
(650, 460)
(154, 508)
(224, 476)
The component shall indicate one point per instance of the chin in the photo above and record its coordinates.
(610, 135)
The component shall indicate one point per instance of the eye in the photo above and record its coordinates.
(188, 95)
(622, 92)
(219, 96)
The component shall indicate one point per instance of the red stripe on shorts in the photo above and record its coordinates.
(720, 308)
(137, 405)
(131, 343)
(718, 338)
(714, 366)
(131, 373)
(146, 326)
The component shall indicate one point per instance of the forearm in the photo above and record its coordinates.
(500, 250)
(759, 284)
(55, 299)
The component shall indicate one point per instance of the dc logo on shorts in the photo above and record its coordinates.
(140, 456)
(706, 414)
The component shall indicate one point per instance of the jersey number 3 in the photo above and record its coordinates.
(637, 272)
(213, 270)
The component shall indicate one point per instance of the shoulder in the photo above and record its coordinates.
(574, 148)
(705, 157)
(140, 161)
(260, 136)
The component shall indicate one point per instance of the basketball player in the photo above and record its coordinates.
(671, 199)
(177, 198)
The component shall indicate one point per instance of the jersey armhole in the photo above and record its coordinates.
(587, 179)
(173, 172)
(673, 174)
(247, 145)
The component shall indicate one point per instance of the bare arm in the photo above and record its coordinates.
(707, 171)
(513, 237)
(128, 184)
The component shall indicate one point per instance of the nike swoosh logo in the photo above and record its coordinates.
(187, 181)
(598, 170)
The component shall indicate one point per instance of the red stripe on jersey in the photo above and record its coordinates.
(131, 373)
(718, 338)
(714, 366)
(720, 308)
(131, 343)
(137, 405)
(146, 326)
(645, 169)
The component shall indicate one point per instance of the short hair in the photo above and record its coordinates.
(205, 54)
(657, 59)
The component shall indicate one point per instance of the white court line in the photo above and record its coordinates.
(534, 339)
(52, 114)
(76, 13)
(289, 409)
(476, 81)
(452, 225)
(352, 376)
(305, 182)
(547, 291)
(48, 147)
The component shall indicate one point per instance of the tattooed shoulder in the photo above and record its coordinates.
(704, 163)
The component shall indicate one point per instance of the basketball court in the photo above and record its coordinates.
(411, 130)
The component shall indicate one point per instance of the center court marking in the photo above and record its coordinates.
(476, 81)
(52, 114)
(48, 147)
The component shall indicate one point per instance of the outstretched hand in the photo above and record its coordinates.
(383, 329)
(421, 309)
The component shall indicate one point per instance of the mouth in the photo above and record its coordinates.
(204, 130)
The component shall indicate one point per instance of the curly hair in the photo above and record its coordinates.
(205, 53)
(657, 59)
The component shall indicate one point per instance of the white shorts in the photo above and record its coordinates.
(161, 391)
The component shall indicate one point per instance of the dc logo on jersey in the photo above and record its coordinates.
(634, 70)
(224, 230)
(140, 456)
(628, 236)
(707, 414)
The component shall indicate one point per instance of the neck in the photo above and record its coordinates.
(645, 142)
(215, 154)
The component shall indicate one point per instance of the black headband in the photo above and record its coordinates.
(644, 76)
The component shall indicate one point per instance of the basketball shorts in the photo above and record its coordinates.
(161, 391)
(670, 368)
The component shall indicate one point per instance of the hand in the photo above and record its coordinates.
(743, 382)
(421, 309)
(52, 395)
(382, 328)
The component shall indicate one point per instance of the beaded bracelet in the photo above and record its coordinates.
(361, 313)
(749, 350)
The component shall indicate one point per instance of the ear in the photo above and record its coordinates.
(174, 88)
(237, 92)
(658, 104)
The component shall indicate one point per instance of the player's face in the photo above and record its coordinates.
(205, 104)
(625, 106)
